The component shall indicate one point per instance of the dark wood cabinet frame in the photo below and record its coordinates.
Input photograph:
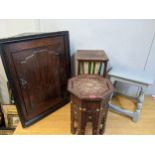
(4, 57)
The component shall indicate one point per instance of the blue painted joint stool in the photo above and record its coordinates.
(140, 79)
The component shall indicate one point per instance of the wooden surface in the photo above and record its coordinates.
(91, 55)
(59, 122)
(90, 87)
(38, 69)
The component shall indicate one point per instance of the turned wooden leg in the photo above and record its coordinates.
(139, 105)
(114, 82)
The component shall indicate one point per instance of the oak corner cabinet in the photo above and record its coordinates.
(38, 68)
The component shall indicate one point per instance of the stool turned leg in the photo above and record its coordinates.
(139, 105)
(114, 93)
(115, 87)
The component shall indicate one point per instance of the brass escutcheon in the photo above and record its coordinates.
(97, 110)
(84, 109)
(80, 108)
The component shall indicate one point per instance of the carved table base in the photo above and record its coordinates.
(83, 112)
(90, 95)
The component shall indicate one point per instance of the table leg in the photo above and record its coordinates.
(102, 130)
(82, 123)
(96, 123)
(103, 122)
(140, 101)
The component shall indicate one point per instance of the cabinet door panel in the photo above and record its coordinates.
(38, 74)
(35, 69)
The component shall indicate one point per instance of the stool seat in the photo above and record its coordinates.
(132, 75)
(89, 95)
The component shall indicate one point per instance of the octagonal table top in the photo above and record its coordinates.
(90, 87)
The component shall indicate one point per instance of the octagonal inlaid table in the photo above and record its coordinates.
(90, 95)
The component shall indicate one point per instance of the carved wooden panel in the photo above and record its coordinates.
(38, 68)
(84, 111)
(37, 65)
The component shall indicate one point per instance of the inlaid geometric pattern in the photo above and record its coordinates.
(89, 86)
